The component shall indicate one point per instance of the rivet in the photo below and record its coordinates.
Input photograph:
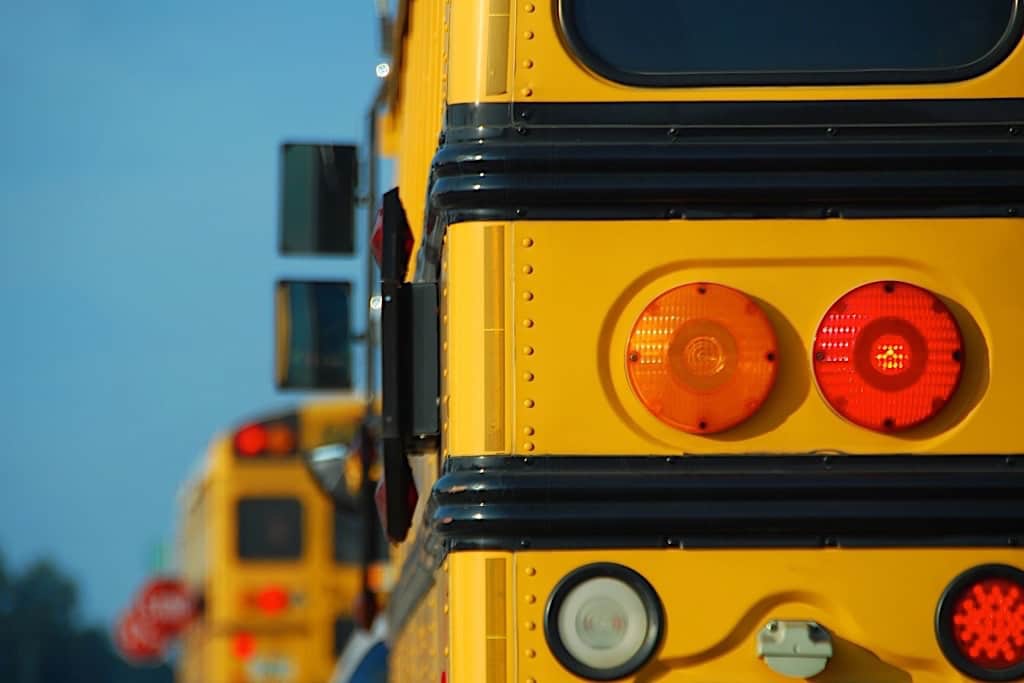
(530, 571)
(530, 626)
(527, 296)
(445, 567)
(530, 599)
(527, 323)
(445, 650)
(528, 376)
(528, 431)
(530, 654)
(527, 63)
(445, 426)
(444, 373)
(444, 292)
(444, 346)
(528, 35)
(528, 350)
(527, 242)
(526, 92)
(446, 608)
(528, 446)
(529, 403)
(444, 318)
(529, 7)
(531, 680)
(527, 269)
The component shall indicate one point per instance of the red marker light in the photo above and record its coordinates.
(251, 440)
(988, 623)
(980, 623)
(243, 646)
(888, 355)
(273, 600)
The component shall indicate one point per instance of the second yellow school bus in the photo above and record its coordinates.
(275, 567)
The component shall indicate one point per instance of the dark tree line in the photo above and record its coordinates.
(42, 641)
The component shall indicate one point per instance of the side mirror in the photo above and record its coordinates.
(314, 339)
(318, 199)
(338, 472)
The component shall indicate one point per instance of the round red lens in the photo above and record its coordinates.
(988, 623)
(888, 355)
(251, 440)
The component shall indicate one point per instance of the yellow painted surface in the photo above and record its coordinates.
(879, 606)
(303, 634)
(543, 69)
(573, 295)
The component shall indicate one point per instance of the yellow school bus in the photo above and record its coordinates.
(276, 568)
(724, 299)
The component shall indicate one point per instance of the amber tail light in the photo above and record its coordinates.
(702, 357)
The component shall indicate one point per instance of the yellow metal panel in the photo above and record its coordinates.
(577, 288)
(545, 71)
(879, 606)
(475, 346)
(481, 617)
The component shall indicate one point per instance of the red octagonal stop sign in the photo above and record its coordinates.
(166, 604)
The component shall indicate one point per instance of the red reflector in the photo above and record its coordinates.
(243, 646)
(251, 440)
(888, 355)
(377, 238)
(273, 599)
(988, 623)
(980, 623)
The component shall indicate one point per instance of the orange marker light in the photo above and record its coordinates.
(888, 355)
(280, 439)
(702, 357)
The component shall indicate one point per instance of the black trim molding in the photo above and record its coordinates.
(616, 160)
(729, 501)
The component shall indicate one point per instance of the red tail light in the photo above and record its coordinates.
(243, 646)
(272, 437)
(273, 600)
(980, 623)
(251, 440)
(888, 356)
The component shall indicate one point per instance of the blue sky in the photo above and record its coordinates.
(137, 250)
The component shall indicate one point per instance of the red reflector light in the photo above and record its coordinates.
(251, 440)
(273, 600)
(243, 646)
(981, 623)
(702, 357)
(888, 355)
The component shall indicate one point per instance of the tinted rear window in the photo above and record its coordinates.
(682, 42)
(269, 529)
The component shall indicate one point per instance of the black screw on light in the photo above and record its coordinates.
(819, 356)
(889, 423)
(770, 356)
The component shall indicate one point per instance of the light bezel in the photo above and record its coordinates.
(648, 597)
(944, 622)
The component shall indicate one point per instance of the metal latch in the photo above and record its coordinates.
(799, 649)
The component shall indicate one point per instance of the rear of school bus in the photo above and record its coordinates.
(266, 551)
(730, 334)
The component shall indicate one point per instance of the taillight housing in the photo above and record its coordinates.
(888, 356)
(702, 357)
(979, 623)
(603, 621)
(275, 438)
